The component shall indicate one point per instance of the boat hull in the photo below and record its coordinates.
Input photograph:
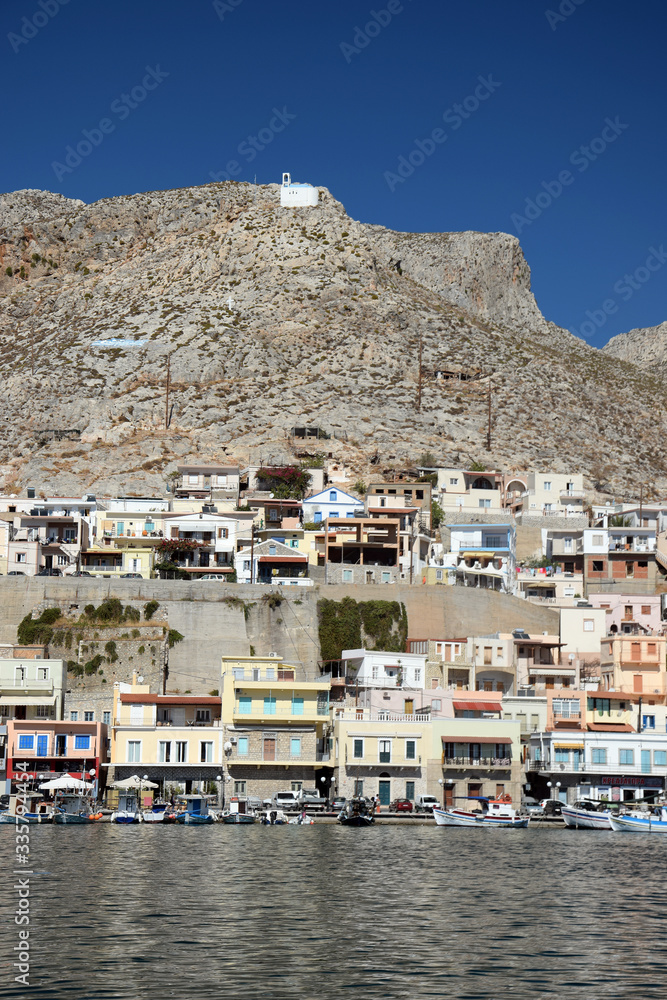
(582, 819)
(446, 817)
(356, 820)
(192, 819)
(637, 824)
(125, 817)
(238, 818)
(153, 817)
(70, 818)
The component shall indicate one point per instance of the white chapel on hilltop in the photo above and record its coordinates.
(297, 195)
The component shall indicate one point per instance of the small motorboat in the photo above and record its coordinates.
(72, 810)
(492, 812)
(273, 817)
(651, 822)
(587, 815)
(128, 810)
(357, 812)
(303, 819)
(27, 808)
(196, 810)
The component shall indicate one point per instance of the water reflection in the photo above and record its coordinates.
(325, 911)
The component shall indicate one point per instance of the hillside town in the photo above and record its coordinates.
(575, 711)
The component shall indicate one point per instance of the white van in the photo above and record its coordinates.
(286, 800)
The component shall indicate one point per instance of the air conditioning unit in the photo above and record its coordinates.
(233, 741)
(273, 654)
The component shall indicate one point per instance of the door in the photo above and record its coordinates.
(61, 745)
(448, 797)
(646, 761)
(384, 790)
(48, 562)
(42, 746)
(269, 748)
(409, 706)
(500, 790)
(577, 759)
(637, 683)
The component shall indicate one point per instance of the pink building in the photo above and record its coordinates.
(629, 613)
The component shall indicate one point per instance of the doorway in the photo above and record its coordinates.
(384, 791)
(269, 748)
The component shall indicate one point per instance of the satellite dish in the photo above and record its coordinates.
(140, 679)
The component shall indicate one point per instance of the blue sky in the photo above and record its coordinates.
(559, 136)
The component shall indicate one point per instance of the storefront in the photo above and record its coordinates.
(622, 788)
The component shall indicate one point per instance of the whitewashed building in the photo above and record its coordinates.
(293, 195)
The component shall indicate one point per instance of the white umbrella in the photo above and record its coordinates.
(66, 781)
(134, 782)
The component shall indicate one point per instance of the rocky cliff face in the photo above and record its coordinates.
(270, 318)
(646, 347)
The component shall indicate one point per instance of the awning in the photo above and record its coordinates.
(568, 746)
(27, 699)
(551, 671)
(529, 584)
(282, 559)
(486, 740)
(610, 727)
(477, 706)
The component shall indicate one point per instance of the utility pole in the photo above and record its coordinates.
(419, 379)
(641, 502)
(166, 403)
(252, 551)
(488, 429)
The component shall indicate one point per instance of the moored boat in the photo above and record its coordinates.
(651, 822)
(492, 812)
(128, 809)
(357, 812)
(587, 815)
(273, 817)
(196, 810)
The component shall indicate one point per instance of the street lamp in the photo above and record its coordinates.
(441, 782)
(219, 778)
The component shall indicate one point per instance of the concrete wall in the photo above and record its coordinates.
(212, 627)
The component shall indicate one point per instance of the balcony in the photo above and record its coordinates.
(577, 767)
(572, 495)
(636, 545)
(310, 713)
(27, 686)
(276, 757)
(477, 762)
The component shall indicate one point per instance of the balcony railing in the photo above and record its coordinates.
(41, 685)
(590, 768)
(283, 713)
(477, 762)
(278, 757)
(572, 495)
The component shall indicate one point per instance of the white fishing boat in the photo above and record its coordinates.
(651, 822)
(587, 815)
(491, 812)
(128, 810)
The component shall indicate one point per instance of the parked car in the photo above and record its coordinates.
(131, 576)
(15, 572)
(211, 576)
(551, 807)
(426, 803)
(532, 806)
(286, 800)
(82, 572)
(401, 805)
(337, 803)
(50, 571)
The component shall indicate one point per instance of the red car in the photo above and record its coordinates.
(401, 805)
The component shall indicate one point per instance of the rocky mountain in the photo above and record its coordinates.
(646, 347)
(263, 318)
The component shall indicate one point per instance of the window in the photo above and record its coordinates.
(296, 786)
(347, 576)
(386, 577)
(74, 716)
(242, 746)
(484, 503)
(567, 544)
(493, 541)
(635, 651)
(453, 481)
(562, 756)
(26, 742)
(648, 721)
(203, 715)
(182, 751)
(375, 670)
(270, 705)
(358, 750)
(646, 609)
(599, 755)
(651, 648)
(193, 480)
(205, 752)
(333, 496)
(295, 746)
(164, 752)
(106, 718)
(82, 742)
(589, 625)
(660, 758)
(566, 707)
(626, 756)
(537, 753)
(88, 716)
(418, 675)
(62, 560)
(272, 550)
(410, 790)
(410, 749)
(598, 540)
(297, 706)
(133, 751)
(384, 751)
(245, 705)
(239, 788)
(44, 711)
(547, 485)
(629, 568)
(436, 705)
(598, 566)
(359, 787)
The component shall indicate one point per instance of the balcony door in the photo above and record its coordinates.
(269, 748)
(42, 746)
(646, 761)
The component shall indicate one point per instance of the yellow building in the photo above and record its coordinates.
(375, 755)
(634, 663)
(276, 727)
(125, 541)
(175, 740)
